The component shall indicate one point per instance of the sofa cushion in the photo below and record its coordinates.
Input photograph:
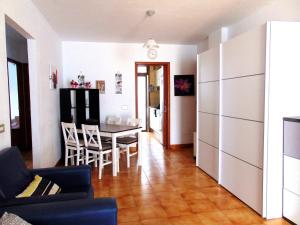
(14, 176)
(40, 186)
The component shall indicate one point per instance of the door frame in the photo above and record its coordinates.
(166, 123)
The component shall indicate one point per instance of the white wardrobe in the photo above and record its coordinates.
(208, 112)
(254, 83)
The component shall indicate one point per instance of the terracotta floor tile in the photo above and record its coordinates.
(163, 187)
(186, 220)
(142, 189)
(126, 202)
(243, 216)
(144, 200)
(128, 215)
(202, 205)
(192, 195)
(214, 218)
(151, 212)
(159, 221)
(227, 202)
(177, 209)
(277, 222)
(131, 223)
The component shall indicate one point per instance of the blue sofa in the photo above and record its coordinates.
(74, 205)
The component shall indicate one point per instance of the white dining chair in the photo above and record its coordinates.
(126, 142)
(95, 149)
(74, 148)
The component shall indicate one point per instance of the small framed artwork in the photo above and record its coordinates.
(118, 84)
(53, 77)
(184, 85)
(100, 84)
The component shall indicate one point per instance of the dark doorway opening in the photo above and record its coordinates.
(19, 92)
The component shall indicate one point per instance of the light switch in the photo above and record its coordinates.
(2, 128)
(124, 107)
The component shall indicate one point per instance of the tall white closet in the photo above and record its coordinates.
(208, 111)
(259, 85)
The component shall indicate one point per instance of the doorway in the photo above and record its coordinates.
(152, 81)
(19, 92)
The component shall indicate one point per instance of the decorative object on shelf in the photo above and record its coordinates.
(151, 44)
(53, 77)
(87, 85)
(184, 85)
(73, 84)
(81, 80)
(118, 77)
(100, 84)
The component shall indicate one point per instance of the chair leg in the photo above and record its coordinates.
(77, 157)
(66, 155)
(128, 156)
(118, 162)
(71, 151)
(95, 160)
(100, 166)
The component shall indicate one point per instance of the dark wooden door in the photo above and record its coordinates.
(19, 96)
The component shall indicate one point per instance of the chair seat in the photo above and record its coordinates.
(105, 146)
(105, 139)
(81, 143)
(127, 140)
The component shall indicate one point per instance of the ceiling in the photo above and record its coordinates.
(175, 21)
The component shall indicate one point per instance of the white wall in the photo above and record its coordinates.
(100, 61)
(44, 48)
(283, 10)
(279, 10)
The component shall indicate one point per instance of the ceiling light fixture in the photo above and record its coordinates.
(151, 44)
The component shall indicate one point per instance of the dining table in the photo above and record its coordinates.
(115, 130)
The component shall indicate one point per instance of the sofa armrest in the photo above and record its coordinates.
(46, 199)
(65, 177)
(101, 211)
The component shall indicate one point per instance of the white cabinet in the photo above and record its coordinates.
(208, 112)
(291, 169)
(250, 83)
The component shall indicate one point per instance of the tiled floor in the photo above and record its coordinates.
(169, 190)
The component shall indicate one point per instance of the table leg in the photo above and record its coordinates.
(139, 149)
(114, 155)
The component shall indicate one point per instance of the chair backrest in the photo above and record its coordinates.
(113, 120)
(134, 122)
(70, 133)
(91, 136)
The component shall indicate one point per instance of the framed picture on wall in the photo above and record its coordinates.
(184, 85)
(100, 84)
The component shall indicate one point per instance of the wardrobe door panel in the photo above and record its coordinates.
(209, 159)
(244, 97)
(209, 97)
(243, 139)
(209, 64)
(243, 180)
(209, 129)
(245, 54)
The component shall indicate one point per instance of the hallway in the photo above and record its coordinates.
(169, 190)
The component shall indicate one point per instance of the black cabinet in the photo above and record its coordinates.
(79, 105)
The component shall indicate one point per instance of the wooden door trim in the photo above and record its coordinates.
(166, 66)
